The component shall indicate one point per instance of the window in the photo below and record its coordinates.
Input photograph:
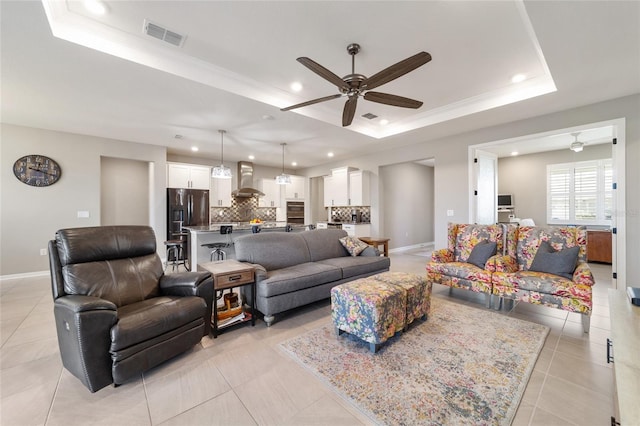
(580, 193)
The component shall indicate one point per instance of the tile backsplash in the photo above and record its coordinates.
(242, 210)
(343, 214)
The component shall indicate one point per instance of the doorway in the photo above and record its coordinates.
(544, 142)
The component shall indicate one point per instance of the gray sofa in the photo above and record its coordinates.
(297, 268)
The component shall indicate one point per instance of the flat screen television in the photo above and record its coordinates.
(505, 201)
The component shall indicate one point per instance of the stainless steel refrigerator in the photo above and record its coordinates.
(186, 207)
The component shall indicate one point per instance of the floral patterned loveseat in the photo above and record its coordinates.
(450, 267)
(514, 279)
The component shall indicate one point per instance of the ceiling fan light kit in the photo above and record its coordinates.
(221, 171)
(576, 146)
(355, 85)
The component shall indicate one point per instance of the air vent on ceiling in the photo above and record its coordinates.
(158, 31)
(370, 116)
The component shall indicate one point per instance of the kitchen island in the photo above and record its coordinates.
(199, 235)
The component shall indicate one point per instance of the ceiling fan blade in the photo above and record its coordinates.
(397, 70)
(323, 72)
(349, 110)
(314, 101)
(399, 101)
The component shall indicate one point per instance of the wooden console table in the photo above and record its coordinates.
(377, 242)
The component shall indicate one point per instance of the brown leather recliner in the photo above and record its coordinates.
(117, 314)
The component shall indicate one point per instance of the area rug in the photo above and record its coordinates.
(462, 366)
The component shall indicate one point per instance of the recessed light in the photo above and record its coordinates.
(194, 148)
(384, 122)
(330, 154)
(296, 86)
(514, 153)
(97, 7)
(518, 78)
(293, 163)
(252, 157)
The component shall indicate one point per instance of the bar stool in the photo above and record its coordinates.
(217, 253)
(175, 248)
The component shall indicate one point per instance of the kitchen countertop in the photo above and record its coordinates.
(244, 226)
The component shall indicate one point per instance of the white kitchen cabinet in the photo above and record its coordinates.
(271, 193)
(359, 188)
(295, 190)
(188, 176)
(336, 187)
(220, 192)
(357, 229)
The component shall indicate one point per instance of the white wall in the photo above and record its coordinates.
(524, 177)
(451, 165)
(124, 192)
(31, 216)
(408, 207)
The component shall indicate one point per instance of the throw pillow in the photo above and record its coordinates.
(482, 252)
(562, 262)
(353, 245)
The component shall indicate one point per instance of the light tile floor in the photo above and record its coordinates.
(242, 378)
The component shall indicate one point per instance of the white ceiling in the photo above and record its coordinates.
(238, 60)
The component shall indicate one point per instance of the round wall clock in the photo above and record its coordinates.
(37, 170)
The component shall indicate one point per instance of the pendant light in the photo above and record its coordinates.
(221, 172)
(283, 179)
(576, 146)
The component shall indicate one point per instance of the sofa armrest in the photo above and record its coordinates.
(191, 284)
(83, 325)
(261, 271)
(370, 252)
(442, 256)
(505, 264)
(582, 275)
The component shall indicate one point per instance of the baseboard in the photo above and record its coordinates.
(412, 247)
(25, 275)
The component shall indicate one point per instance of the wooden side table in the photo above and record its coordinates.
(229, 274)
(377, 242)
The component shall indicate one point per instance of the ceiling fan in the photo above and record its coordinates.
(354, 85)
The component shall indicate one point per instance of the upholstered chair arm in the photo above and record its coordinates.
(184, 283)
(505, 264)
(191, 284)
(491, 263)
(83, 324)
(583, 275)
(442, 256)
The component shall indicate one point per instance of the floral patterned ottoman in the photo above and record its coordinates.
(375, 308)
(418, 292)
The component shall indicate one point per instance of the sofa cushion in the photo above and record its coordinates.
(468, 235)
(561, 262)
(461, 270)
(297, 277)
(324, 243)
(121, 281)
(150, 318)
(353, 245)
(354, 266)
(482, 252)
(274, 250)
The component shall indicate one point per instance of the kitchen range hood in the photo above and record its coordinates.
(245, 182)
